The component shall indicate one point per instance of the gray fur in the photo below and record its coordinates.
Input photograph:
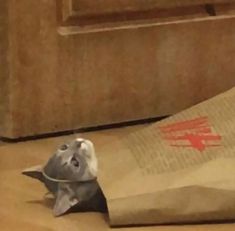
(75, 162)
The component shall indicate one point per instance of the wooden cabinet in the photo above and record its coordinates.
(71, 64)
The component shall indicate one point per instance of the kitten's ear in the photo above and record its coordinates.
(64, 200)
(34, 172)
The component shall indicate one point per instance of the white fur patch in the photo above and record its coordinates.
(91, 158)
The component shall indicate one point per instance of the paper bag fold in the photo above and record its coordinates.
(179, 170)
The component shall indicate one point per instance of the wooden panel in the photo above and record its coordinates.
(4, 68)
(91, 16)
(67, 82)
(90, 7)
(226, 9)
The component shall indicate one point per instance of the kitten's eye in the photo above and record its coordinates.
(75, 162)
(64, 147)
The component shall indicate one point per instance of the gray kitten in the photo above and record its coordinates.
(70, 175)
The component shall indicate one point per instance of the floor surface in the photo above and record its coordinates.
(22, 203)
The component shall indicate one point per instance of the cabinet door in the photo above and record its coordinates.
(112, 61)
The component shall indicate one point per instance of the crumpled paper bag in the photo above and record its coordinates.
(179, 170)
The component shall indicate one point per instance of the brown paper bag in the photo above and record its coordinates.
(179, 170)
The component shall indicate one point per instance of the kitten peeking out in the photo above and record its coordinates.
(70, 175)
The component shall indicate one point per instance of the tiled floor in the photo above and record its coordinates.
(22, 206)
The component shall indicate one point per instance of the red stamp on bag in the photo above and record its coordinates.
(195, 133)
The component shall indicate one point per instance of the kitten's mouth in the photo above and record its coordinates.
(79, 143)
(75, 162)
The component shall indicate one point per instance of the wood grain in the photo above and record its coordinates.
(90, 7)
(65, 82)
(105, 14)
(4, 68)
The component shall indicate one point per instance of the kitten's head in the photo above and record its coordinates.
(73, 162)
